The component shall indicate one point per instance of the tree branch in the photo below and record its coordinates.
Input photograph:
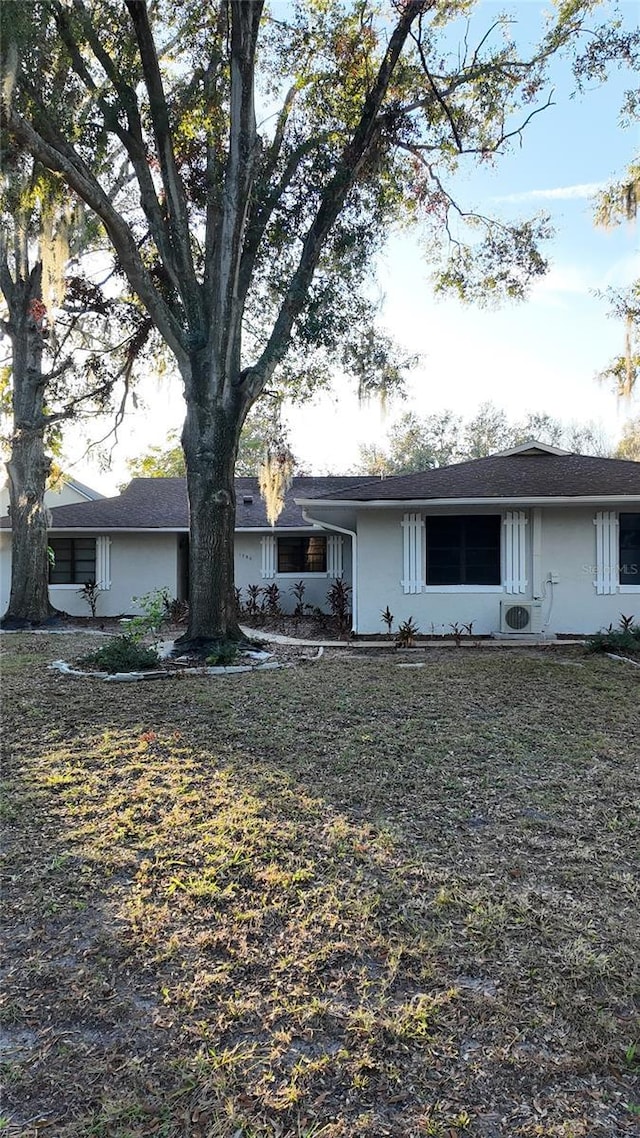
(187, 282)
(133, 138)
(56, 154)
(238, 181)
(346, 175)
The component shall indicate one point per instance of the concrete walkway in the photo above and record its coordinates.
(467, 642)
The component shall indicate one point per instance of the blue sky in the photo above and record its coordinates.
(540, 355)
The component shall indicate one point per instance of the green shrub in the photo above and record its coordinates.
(122, 654)
(625, 638)
(224, 656)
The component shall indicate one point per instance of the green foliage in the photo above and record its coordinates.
(625, 639)
(224, 656)
(415, 443)
(122, 654)
(154, 613)
(629, 445)
(168, 461)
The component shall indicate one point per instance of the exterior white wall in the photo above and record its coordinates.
(5, 570)
(248, 570)
(141, 562)
(569, 551)
(566, 551)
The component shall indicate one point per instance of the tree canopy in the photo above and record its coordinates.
(261, 157)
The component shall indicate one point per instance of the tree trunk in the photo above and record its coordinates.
(28, 465)
(28, 468)
(210, 440)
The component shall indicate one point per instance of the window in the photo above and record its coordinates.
(463, 550)
(630, 549)
(75, 560)
(302, 554)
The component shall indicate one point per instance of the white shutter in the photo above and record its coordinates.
(103, 563)
(515, 546)
(268, 556)
(607, 553)
(334, 555)
(412, 579)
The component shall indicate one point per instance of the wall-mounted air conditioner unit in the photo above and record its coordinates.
(518, 617)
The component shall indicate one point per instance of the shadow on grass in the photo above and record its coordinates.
(346, 900)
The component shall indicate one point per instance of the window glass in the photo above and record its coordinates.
(302, 554)
(463, 550)
(630, 549)
(75, 560)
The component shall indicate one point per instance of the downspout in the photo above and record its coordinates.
(354, 561)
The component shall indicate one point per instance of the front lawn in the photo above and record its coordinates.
(348, 900)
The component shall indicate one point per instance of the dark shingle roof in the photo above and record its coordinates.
(161, 503)
(503, 476)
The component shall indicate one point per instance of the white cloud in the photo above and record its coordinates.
(558, 193)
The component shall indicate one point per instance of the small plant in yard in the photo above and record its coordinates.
(272, 606)
(175, 611)
(406, 634)
(460, 630)
(122, 654)
(624, 639)
(237, 597)
(338, 601)
(387, 617)
(298, 590)
(224, 656)
(90, 592)
(153, 614)
(253, 607)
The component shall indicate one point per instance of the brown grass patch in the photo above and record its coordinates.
(347, 899)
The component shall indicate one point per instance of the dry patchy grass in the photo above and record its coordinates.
(343, 900)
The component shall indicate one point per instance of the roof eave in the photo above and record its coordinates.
(511, 499)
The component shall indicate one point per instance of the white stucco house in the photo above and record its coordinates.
(532, 540)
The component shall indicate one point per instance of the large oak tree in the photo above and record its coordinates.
(248, 242)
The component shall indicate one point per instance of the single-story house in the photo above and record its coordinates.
(534, 539)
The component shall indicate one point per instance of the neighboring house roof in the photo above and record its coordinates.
(161, 504)
(86, 491)
(536, 474)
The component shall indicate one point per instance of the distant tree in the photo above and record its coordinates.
(486, 433)
(438, 440)
(540, 426)
(260, 429)
(629, 445)
(414, 444)
(159, 461)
